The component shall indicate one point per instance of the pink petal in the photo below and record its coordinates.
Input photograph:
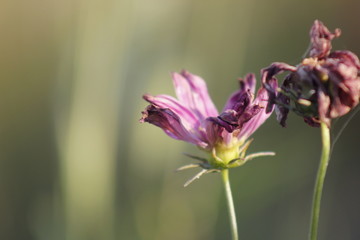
(188, 118)
(216, 133)
(168, 121)
(255, 122)
(192, 93)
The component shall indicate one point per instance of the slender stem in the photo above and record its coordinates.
(230, 203)
(325, 136)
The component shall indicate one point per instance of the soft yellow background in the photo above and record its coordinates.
(75, 163)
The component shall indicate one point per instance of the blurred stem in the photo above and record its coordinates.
(325, 157)
(230, 203)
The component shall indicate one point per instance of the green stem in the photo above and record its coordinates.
(325, 157)
(230, 203)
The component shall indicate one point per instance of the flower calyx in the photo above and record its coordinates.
(222, 157)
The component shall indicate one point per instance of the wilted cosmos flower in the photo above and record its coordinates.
(193, 118)
(323, 86)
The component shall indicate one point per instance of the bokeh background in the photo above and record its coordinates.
(76, 164)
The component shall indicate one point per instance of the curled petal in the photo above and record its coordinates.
(342, 70)
(228, 120)
(248, 83)
(346, 71)
(275, 68)
(188, 118)
(218, 131)
(247, 122)
(214, 130)
(268, 77)
(351, 97)
(245, 92)
(241, 101)
(192, 92)
(283, 101)
(347, 56)
(168, 121)
(321, 39)
(261, 114)
(231, 120)
(344, 92)
(215, 125)
(338, 109)
(235, 120)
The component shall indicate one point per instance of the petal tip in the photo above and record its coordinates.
(148, 97)
(145, 115)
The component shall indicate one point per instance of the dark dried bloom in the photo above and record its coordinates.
(323, 86)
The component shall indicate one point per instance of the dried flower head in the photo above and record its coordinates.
(193, 118)
(323, 86)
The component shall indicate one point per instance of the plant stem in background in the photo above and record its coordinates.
(230, 203)
(325, 157)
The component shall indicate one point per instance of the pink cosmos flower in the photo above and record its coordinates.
(193, 118)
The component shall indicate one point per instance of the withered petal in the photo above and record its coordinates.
(321, 37)
(170, 123)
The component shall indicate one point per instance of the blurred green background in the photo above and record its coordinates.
(75, 163)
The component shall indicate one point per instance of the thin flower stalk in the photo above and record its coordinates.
(230, 203)
(319, 184)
